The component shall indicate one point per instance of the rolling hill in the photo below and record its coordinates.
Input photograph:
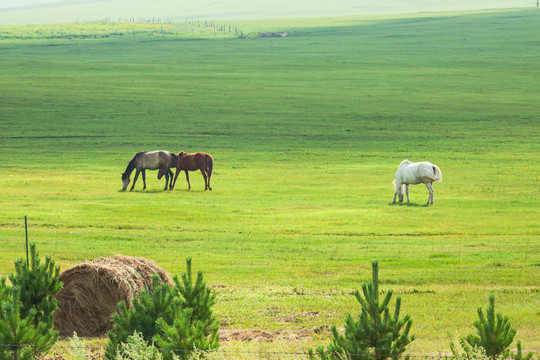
(91, 10)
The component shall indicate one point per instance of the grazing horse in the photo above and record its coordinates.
(192, 162)
(149, 160)
(415, 173)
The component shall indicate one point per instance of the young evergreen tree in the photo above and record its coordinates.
(519, 353)
(375, 334)
(20, 337)
(194, 327)
(27, 308)
(494, 332)
(38, 285)
(184, 336)
(142, 317)
(196, 296)
(179, 318)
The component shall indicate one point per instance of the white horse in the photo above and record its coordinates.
(415, 173)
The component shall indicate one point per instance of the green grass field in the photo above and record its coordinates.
(306, 132)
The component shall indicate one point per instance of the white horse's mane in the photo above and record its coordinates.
(404, 162)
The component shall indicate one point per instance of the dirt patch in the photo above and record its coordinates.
(254, 335)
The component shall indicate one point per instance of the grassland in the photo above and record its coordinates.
(306, 132)
(124, 28)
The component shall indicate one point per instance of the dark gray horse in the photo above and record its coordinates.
(150, 160)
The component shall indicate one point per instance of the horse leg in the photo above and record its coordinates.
(203, 172)
(187, 179)
(398, 189)
(209, 168)
(166, 180)
(144, 179)
(209, 175)
(407, 192)
(175, 177)
(430, 189)
(170, 177)
(135, 179)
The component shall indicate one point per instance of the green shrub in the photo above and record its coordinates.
(184, 336)
(76, 349)
(375, 334)
(27, 308)
(137, 348)
(198, 297)
(178, 317)
(194, 326)
(494, 334)
(21, 339)
(142, 317)
(466, 352)
(519, 354)
(38, 285)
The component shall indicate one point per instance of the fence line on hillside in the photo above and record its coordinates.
(165, 30)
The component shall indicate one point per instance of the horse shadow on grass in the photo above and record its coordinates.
(153, 191)
(408, 204)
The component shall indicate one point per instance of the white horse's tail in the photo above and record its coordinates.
(437, 173)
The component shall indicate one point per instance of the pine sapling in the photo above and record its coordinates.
(38, 284)
(26, 339)
(196, 296)
(142, 316)
(194, 327)
(494, 332)
(519, 353)
(376, 334)
(184, 337)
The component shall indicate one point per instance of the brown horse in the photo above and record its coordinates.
(192, 162)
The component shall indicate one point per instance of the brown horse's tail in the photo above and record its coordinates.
(209, 164)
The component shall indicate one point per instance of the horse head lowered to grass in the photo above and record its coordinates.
(150, 160)
(415, 173)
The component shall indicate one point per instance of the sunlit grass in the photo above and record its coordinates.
(307, 132)
(198, 29)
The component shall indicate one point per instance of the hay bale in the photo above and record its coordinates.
(92, 290)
